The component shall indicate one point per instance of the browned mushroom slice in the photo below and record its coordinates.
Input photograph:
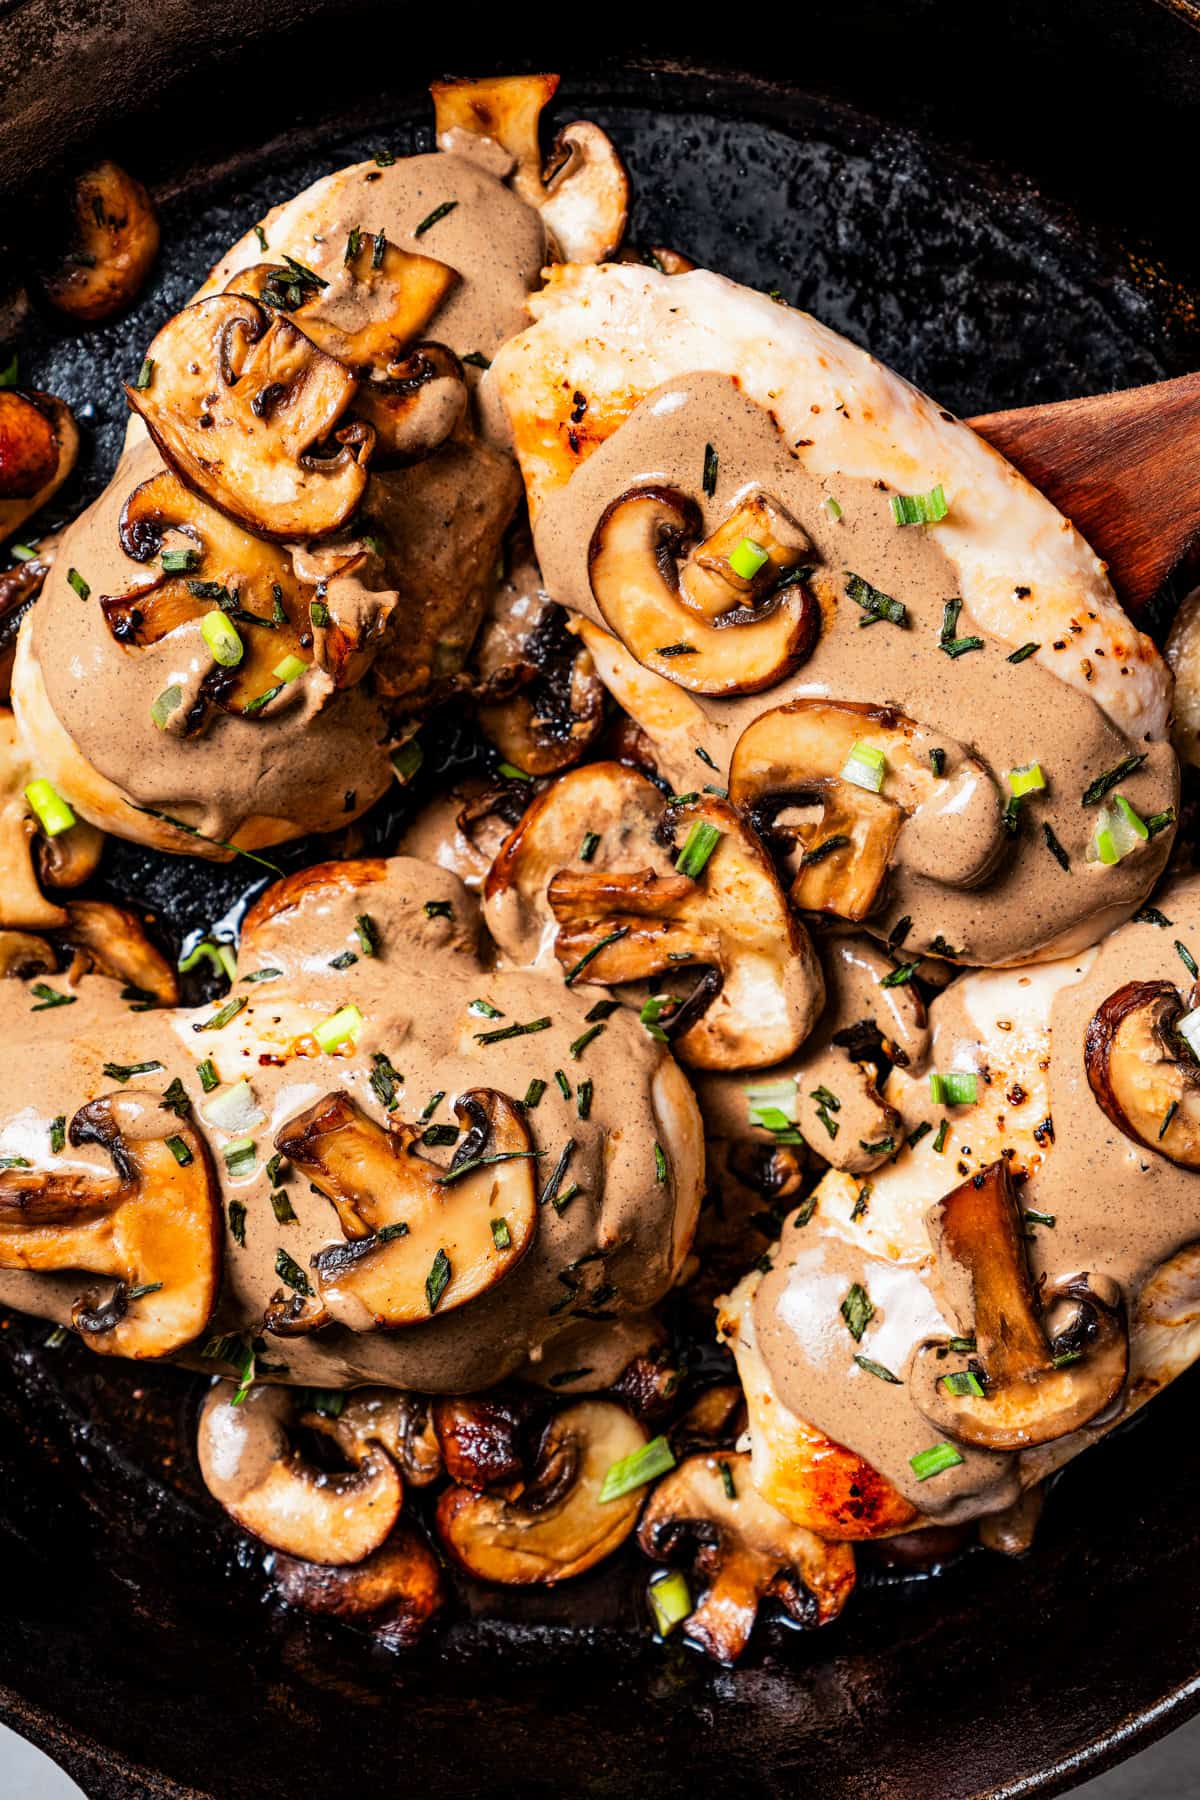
(366, 315)
(288, 900)
(708, 1514)
(252, 1466)
(762, 987)
(116, 243)
(253, 582)
(420, 1238)
(1142, 1072)
(583, 192)
(482, 1440)
(415, 403)
(763, 627)
(113, 940)
(586, 203)
(39, 442)
(505, 108)
(542, 702)
(396, 1591)
(796, 755)
(1018, 1388)
(71, 858)
(19, 588)
(559, 1526)
(243, 406)
(154, 1227)
(23, 955)
(715, 1418)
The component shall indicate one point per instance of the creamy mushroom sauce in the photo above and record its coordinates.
(1009, 714)
(1120, 1208)
(612, 1251)
(316, 757)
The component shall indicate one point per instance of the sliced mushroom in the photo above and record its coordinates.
(23, 955)
(116, 236)
(71, 858)
(113, 940)
(632, 915)
(702, 627)
(415, 403)
(266, 1483)
(154, 1227)
(482, 1439)
(396, 1591)
(743, 1551)
(39, 441)
(1020, 1387)
(949, 828)
(242, 405)
(1141, 1071)
(559, 1526)
(586, 204)
(368, 314)
(583, 192)
(542, 700)
(705, 626)
(716, 1418)
(251, 581)
(19, 588)
(648, 1384)
(420, 1238)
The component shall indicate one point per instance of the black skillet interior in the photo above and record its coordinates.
(989, 208)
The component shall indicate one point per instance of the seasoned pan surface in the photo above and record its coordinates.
(139, 1641)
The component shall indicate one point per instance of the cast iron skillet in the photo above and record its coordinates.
(990, 202)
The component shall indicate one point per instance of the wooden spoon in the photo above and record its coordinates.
(1124, 468)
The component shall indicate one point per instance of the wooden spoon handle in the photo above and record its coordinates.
(1124, 468)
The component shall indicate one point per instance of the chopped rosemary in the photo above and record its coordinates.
(1054, 847)
(229, 1011)
(431, 219)
(877, 605)
(857, 1311)
(877, 1369)
(533, 1094)
(512, 1031)
(613, 937)
(124, 1072)
(584, 1039)
(709, 478)
(437, 1280)
(1103, 784)
(660, 1163)
(589, 846)
(1026, 650)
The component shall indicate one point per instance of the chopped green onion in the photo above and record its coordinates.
(1160, 820)
(209, 1079)
(512, 1031)
(832, 509)
(709, 478)
(584, 1039)
(660, 1164)
(1026, 780)
(1103, 784)
(511, 772)
(437, 1280)
(937, 762)
(237, 1222)
(82, 588)
(290, 1271)
(58, 1133)
(874, 602)
(180, 1151)
(485, 1009)
(384, 1080)
(341, 1027)
(963, 1381)
(747, 558)
(53, 813)
(633, 1471)
(589, 846)
(670, 1601)
(234, 1109)
(367, 933)
(877, 1369)
(290, 669)
(408, 759)
(169, 701)
(501, 1235)
(439, 212)
(1187, 959)
(281, 1206)
(1026, 650)
(899, 976)
(533, 1094)
(229, 1011)
(48, 997)
(933, 1461)
(919, 509)
(219, 955)
(438, 909)
(702, 840)
(240, 1156)
(857, 1311)
(178, 562)
(1119, 831)
(955, 1088)
(943, 1132)
(226, 646)
(865, 767)
(583, 1097)
(124, 1072)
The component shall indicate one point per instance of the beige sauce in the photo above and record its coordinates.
(415, 999)
(1008, 714)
